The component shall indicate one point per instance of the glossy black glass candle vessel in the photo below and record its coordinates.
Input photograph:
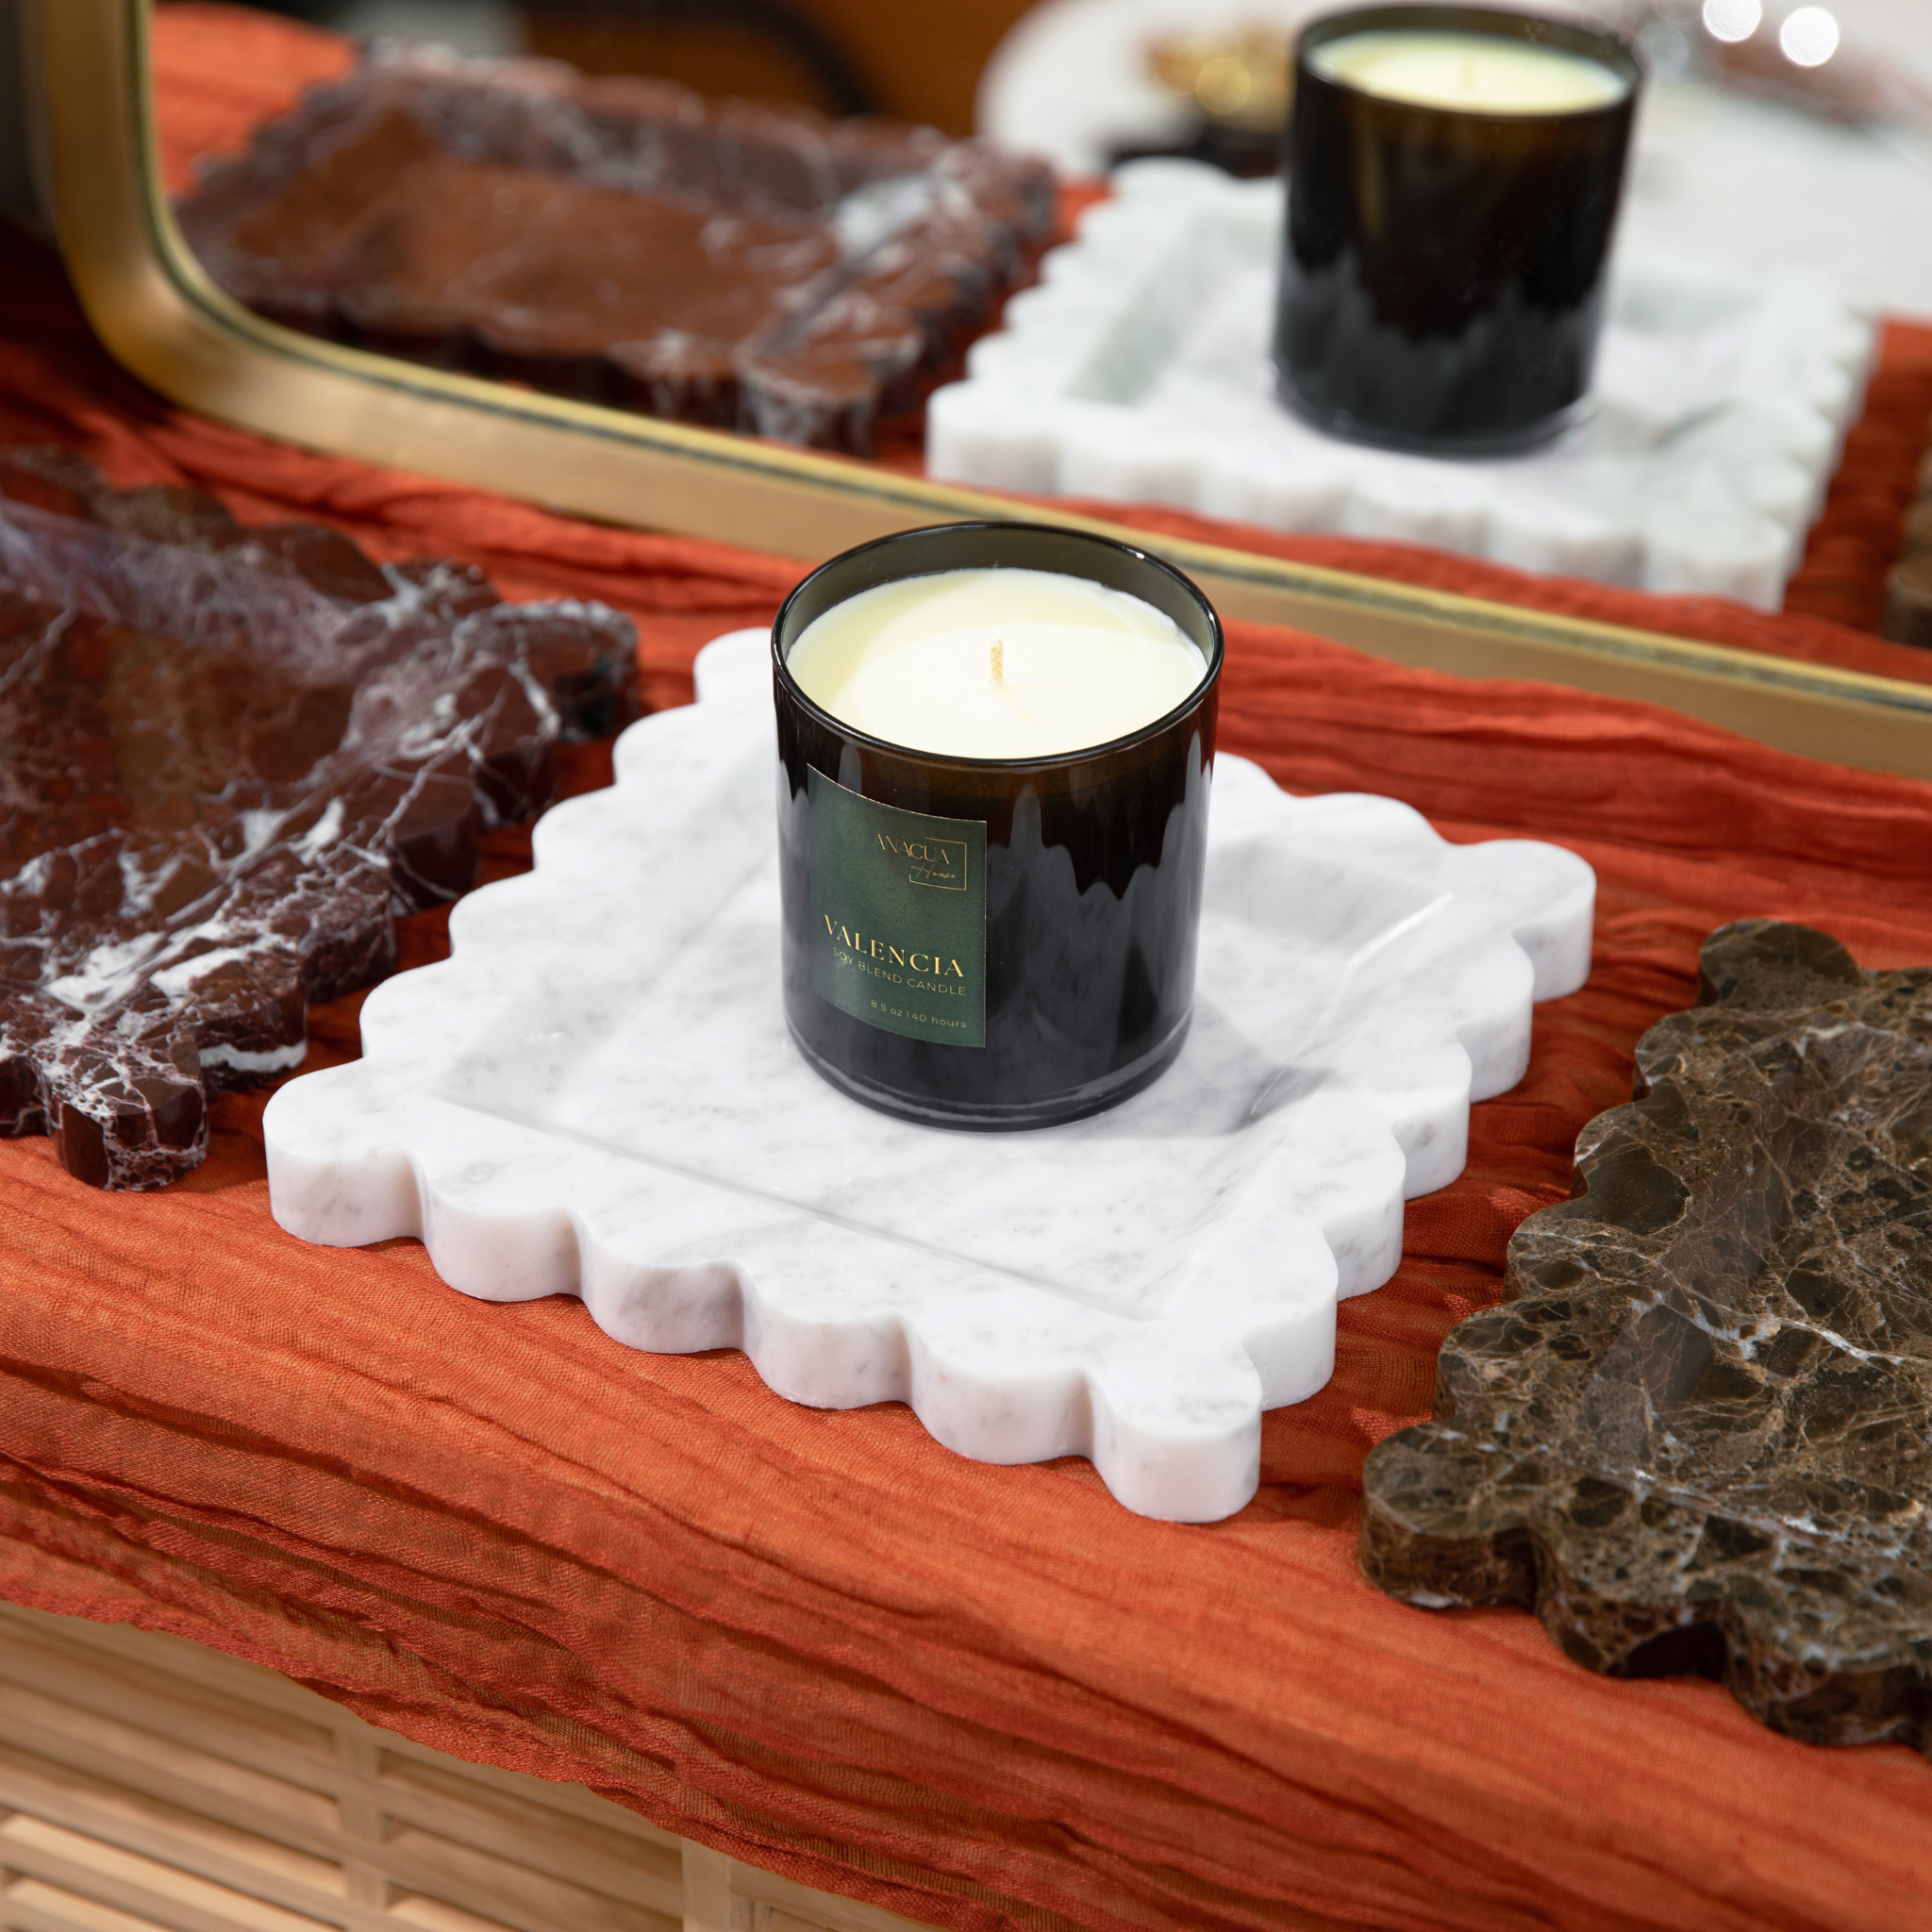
(992, 942)
(1443, 283)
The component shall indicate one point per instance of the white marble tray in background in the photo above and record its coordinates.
(596, 1095)
(1139, 371)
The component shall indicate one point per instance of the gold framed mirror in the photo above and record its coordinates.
(83, 76)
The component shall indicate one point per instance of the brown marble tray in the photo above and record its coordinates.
(621, 240)
(1699, 1440)
(229, 757)
(1908, 589)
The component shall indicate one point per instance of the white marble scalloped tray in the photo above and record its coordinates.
(596, 1095)
(1139, 371)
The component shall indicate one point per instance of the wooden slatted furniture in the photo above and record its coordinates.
(150, 1785)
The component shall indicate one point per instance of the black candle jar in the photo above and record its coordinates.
(1041, 966)
(1443, 277)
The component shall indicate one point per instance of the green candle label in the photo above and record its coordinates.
(898, 916)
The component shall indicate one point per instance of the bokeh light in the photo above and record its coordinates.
(1808, 37)
(1735, 20)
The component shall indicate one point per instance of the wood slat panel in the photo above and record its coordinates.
(427, 1803)
(150, 1785)
(160, 1764)
(31, 1905)
(156, 1888)
(42, 1790)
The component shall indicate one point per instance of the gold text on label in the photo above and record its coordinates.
(883, 954)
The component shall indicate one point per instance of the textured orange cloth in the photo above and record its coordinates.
(827, 1645)
(982, 1697)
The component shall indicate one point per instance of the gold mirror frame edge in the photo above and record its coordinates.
(160, 316)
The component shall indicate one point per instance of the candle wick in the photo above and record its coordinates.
(999, 662)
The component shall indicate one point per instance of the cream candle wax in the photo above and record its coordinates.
(996, 663)
(996, 744)
(1469, 71)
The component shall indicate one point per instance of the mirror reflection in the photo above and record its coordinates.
(1041, 251)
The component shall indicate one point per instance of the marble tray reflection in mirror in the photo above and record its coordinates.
(1141, 371)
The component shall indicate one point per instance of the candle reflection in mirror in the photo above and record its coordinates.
(1453, 176)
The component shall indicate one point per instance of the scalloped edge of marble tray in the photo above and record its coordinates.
(1166, 1404)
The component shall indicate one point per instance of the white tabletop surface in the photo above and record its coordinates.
(1737, 181)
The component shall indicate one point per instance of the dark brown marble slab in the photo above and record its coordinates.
(1908, 602)
(1908, 587)
(229, 757)
(1699, 1440)
(622, 240)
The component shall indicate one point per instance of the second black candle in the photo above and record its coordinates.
(1444, 280)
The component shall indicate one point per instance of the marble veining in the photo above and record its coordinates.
(596, 1095)
(229, 757)
(1697, 1440)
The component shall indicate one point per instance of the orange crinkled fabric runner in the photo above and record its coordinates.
(982, 1697)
